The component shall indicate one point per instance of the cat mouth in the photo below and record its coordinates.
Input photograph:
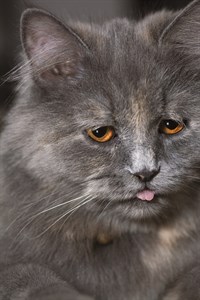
(143, 196)
(146, 195)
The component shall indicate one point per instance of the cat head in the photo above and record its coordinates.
(110, 113)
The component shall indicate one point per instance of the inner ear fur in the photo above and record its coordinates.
(52, 48)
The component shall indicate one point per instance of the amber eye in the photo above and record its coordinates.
(171, 127)
(101, 134)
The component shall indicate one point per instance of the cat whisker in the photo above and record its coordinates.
(30, 205)
(74, 209)
(192, 177)
(61, 204)
(10, 74)
(20, 70)
(104, 208)
(47, 210)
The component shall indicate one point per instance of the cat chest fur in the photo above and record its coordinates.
(133, 265)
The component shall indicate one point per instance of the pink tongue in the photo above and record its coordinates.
(146, 195)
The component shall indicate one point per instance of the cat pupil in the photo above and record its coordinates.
(100, 132)
(171, 124)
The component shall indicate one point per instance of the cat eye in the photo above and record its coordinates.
(171, 127)
(101, 134)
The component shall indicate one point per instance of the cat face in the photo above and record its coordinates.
(113, 115)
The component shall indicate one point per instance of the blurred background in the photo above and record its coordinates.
(92, 10)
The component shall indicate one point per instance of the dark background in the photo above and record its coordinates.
(92, 10)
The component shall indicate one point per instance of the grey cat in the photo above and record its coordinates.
(100, 165)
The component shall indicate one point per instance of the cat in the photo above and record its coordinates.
(100, 166)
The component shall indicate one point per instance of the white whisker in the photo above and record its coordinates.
(50, 209)
(65, 214)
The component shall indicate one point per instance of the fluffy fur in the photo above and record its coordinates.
(70, 223)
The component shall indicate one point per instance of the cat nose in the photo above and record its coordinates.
(147, 175)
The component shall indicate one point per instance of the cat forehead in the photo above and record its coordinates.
(125, 33)
(136, 107)
(128, 51)
(125, 49)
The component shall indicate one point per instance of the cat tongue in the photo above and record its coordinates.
(146, 195)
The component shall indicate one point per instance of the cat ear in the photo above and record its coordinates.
(183, 32)
(52, 49)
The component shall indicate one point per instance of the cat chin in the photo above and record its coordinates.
(141, 211)
(134, 213)
(128, 215)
